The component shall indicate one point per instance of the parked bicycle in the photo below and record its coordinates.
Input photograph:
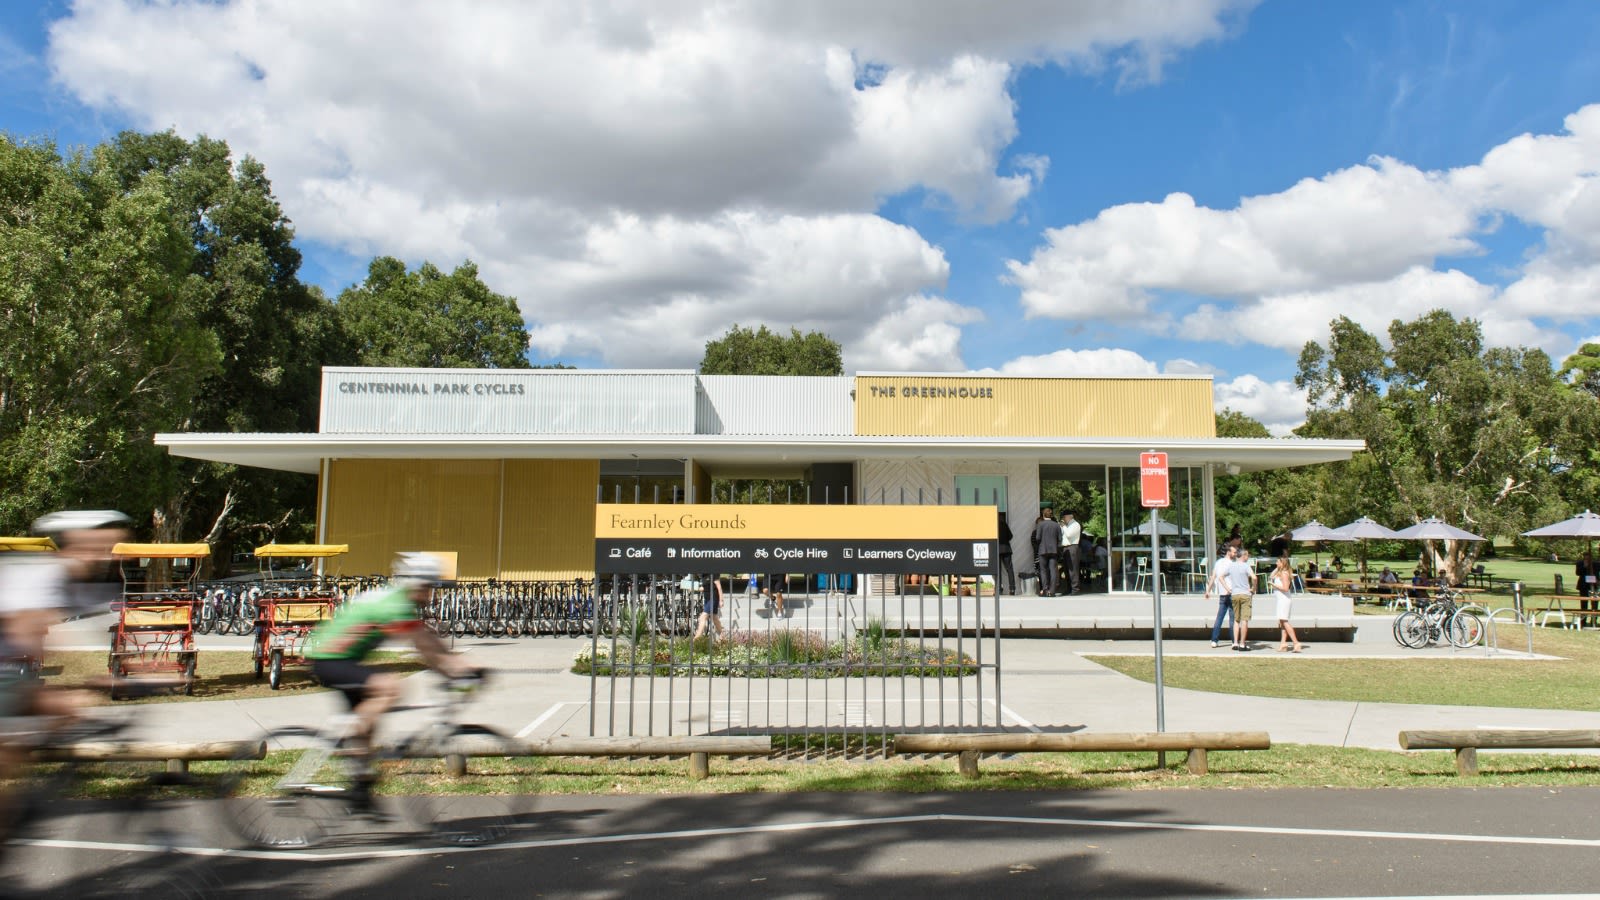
(1442, 619)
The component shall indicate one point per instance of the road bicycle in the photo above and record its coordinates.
(312, 784)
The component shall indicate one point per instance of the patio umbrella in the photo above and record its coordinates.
(1583, 525)
(1434, 528)
(1313, 532)
(1167, 529)
(1361, 531)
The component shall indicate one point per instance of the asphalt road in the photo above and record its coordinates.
(1245, 843)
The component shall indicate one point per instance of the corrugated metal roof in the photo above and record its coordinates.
(775, 405)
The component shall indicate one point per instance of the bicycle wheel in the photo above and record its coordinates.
(459, 819)
(286, 801)
(1464, 629)
(1411, 629)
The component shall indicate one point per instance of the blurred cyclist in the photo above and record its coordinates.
(338, 646)
(37, 590)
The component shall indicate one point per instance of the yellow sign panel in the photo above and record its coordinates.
(995, 406)
(644, 521)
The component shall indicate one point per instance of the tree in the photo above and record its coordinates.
(429, 319)
(1239, 497)
(274, 332)
(761, 352)
(1582, 369)
(1481, 437)
(100, 316)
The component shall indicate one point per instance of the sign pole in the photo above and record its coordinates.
(1154, 493)
(1155, 597)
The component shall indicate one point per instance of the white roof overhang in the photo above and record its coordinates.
(305, 452)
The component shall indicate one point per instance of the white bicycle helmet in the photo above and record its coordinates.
(417, 567)
(55, 524)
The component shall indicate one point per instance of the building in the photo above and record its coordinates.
(504, 467)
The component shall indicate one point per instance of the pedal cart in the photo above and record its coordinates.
(289, 609)
(154, 634)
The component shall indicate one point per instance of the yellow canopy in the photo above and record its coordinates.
(26, 543)
(315, 551)
(161, 551)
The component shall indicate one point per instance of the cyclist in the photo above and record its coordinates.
(338, 646)
(39, 590)
(36, 591)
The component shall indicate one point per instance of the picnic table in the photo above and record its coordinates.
(1555, 605)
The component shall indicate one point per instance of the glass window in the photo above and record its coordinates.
(1181, 532)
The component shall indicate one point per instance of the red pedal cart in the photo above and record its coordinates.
(290, 607)
(154, 634)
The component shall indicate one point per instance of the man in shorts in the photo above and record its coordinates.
(338, 646)
(1240, 577)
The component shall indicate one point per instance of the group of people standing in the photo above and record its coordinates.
(1056, 548)
(1233, 578)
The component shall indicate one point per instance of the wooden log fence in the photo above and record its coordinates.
(1466, 742)
(1194, 743)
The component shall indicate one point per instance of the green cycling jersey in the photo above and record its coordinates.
(361, 625)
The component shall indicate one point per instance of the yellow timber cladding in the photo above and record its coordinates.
(518, 518)
(994, 406)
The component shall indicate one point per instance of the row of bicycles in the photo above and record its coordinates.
(527, 608)
(497, 608)
(235, 607)
(1444, 618)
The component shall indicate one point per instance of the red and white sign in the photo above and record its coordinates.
(1153, 480)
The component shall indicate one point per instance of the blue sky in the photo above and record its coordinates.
(936, 188)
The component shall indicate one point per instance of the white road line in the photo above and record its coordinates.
(790, 827)
(529, 728)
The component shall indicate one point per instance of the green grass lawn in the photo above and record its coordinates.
(1572, 682)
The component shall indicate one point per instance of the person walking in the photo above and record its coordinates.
(1006, 571)
(1071, 535)
(1217, 582)
(710, 609)
(1047, 536)
(1282, 580)
(1241, 581)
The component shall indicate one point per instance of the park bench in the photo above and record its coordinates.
(1466, 742)
(969, 746)
(699, 748)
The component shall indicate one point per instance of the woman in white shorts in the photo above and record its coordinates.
(1282, 579)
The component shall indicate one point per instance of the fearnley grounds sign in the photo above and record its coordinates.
(640, 539)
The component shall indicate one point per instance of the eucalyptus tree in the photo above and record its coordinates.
(1478, 435)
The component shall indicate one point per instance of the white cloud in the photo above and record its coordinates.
(1279, 405)
(1287, 321)
(1361, 223)
(921, 334)
(640, 174)
(1364, 242)
(1069, 363)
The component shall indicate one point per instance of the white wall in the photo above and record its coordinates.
(896, 481)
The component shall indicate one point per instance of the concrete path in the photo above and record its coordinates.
(1047, 684)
